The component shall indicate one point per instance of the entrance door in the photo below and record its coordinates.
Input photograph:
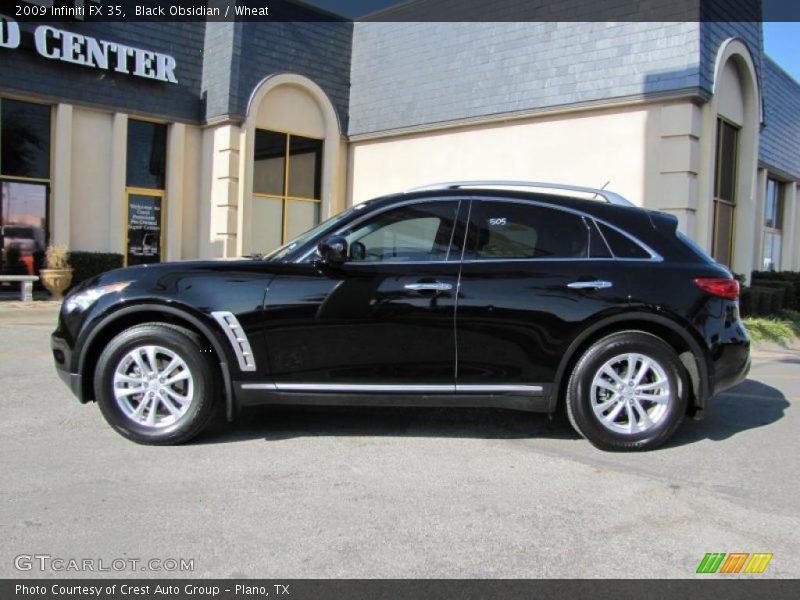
(23, 226)
(145, 231)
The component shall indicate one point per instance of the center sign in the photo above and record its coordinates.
(75, 48)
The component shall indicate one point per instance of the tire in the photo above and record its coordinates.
(184, 395)
(612, 413)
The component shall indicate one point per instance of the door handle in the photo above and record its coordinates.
(436, 286)
(589, 285)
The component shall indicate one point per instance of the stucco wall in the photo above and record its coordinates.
(588, 148)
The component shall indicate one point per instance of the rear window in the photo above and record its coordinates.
(517, 230)
(621, 245)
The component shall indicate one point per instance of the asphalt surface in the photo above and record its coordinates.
(428, 493)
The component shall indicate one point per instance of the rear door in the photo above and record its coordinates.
(533, 277)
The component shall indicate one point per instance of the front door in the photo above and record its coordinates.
(383, 321)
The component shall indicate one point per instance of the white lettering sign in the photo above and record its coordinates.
(9, 33)
(78, 49)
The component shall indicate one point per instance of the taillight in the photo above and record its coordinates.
(719, 286)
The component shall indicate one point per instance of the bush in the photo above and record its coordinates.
(788, 288)
(765, 278)
(88, 264)
(757, 300)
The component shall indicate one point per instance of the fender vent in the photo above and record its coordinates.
(236, 335)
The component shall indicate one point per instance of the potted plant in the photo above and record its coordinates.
(58, 274)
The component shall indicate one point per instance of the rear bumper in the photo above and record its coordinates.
(731, 366)
(62, 357)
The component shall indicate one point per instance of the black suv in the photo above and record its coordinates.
(458, 294)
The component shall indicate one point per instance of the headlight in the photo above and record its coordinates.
(83, 300)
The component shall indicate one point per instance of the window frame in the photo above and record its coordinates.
(717, 201)
(285, 197)
(158, 192)
(167, 131)
(464, 215)
(46, 182)
(366, 218)
(588, 218)
(779, 213)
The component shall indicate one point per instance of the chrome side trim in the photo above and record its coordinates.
(479, 388)
(358, 387)
(365, 387)
(259, 386)
(608, 195)
(589, 285)
(238, 339)
(438, 286)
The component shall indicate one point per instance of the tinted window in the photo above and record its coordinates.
(621, 245)
(415, 232)
(147, 154)
(517, 230)
(25, 139)
(725, 176)
(269, 170)
(305, 167)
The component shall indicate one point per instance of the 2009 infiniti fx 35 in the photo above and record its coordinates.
(458, 294)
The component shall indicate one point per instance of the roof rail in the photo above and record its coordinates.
(608, 196)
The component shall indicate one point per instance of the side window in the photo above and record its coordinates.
(518, 230)
(414, 232)
(621, 245)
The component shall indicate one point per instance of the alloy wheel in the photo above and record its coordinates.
(630, 394)
(153, 386)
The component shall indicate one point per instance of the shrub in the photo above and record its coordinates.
(88, 264)
(788, 289)
(757, 300)
(760, 278)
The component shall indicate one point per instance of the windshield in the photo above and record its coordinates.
(286, 253)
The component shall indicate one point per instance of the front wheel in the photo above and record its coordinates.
(155, 385)
(627, 392)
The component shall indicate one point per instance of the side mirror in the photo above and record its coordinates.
(333, 250)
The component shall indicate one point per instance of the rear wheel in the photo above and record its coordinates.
(627, 392)
(154, 385)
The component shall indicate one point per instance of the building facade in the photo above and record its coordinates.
(169, 141)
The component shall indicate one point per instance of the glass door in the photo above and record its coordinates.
(144, 227)
(23, 226)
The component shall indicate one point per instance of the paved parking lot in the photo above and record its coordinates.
(393, 493)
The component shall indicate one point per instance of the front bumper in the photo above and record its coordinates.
(62, 356)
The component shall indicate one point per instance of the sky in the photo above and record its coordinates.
(782, 44)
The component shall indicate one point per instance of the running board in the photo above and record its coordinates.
(531, 398)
